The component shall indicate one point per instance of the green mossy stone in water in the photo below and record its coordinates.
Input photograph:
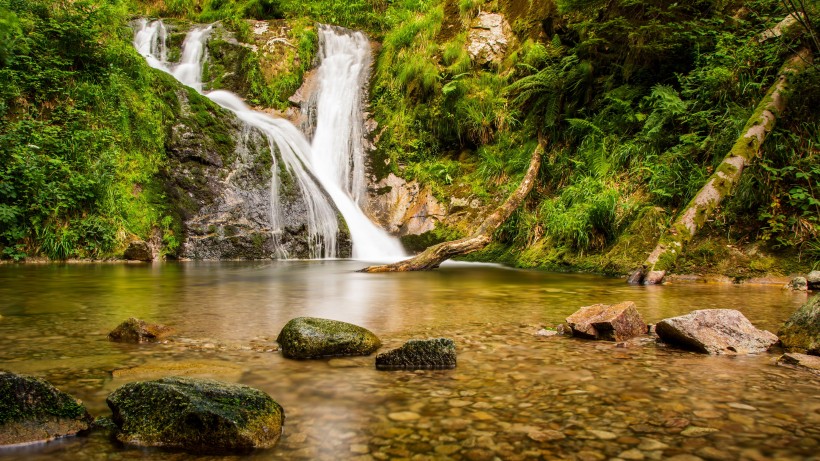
(195, 415)
(32, 410)
(310, 338)
(420, 354)
(801, 333)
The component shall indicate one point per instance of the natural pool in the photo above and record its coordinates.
(514, 395)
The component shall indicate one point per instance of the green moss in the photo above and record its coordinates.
(25, 398)
(308, 337)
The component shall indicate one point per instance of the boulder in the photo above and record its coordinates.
(801, 332)
(798, 284)
(809, 363)
(813, 280)
(616, 322)
(420, 354)
(310, 338)
(138, 251)
(715, 331)
(137, 331)
(488, 38)
(32, 410)
(196, 415)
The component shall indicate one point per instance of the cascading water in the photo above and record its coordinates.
(339, 169)
(337, 153)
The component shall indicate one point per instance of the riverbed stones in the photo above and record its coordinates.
(310, 338)
(798, 284)
(715, 331)
(420, 354)
(138, 250)
(196, 415)
(806, 362)
(32, 410)
(616, 322)
(801, 332)
(135, 330)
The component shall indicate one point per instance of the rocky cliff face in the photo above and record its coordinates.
(218, 180)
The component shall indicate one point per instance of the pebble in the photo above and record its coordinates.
(652, 445)
(603, 435)
(695, 431)
(404, 416)
(632, 454)
(545, 435)
(742, 406)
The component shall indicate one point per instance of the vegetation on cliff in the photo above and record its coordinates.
(638, 102)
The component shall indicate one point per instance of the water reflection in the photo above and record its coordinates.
(514, 395)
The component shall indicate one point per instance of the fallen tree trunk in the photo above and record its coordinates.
(726, 176)
(433, 256)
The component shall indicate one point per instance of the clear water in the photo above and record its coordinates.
(511, 393)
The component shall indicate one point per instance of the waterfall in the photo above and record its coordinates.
(337, 151)
(339, 167)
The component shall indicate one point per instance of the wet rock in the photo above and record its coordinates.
(802, 361)
(617, 322)
(138, 251)
(135, 330)
(488, 38)
(420, 354)
(715, 331)
(545, 332)
(309, 337)
(404, 208)
(32, 410)
(801, 332)
(695, 431)
(813, 280)
(197, 415)
(798, 284)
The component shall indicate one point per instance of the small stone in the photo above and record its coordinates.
(457, 403)
(545, 435)
(632, 454)
(741, 406)
(695, 431)
(546, 333)
(713, 454)
(708, 414)
(806, 362)
(404, 416)
(360, 449)
(447, 449)
(652, 445)
(603, 435)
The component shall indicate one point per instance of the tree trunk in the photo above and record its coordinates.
(723, 181)
(433, 256)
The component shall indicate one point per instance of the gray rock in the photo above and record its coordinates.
(617, 322)
(309, 338)
(420, 354)
(715, 331)
(488, 38)
(135, 330)
(138, 251)
(32, 410)
(813, 280)
(197, 415)
(802, 361)
(801, 332)
(799, 284)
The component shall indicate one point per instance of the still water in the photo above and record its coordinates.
(514, 395)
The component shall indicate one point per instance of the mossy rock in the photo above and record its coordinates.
(420, 354)
(801, 333)
(195, 415)
(309, 338)
(135, 330)
(32, 410)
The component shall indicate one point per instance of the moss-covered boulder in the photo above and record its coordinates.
(801, 333)
(135, 330)
(32, 410)
(196, 415)
(310, 338)
(420, 354)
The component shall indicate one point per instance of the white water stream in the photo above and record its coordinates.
(336, 158)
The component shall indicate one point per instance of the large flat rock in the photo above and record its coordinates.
(715, 331)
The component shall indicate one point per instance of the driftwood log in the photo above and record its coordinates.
(725, 178)
(433, 256)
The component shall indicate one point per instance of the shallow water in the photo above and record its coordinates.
(514, 395)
